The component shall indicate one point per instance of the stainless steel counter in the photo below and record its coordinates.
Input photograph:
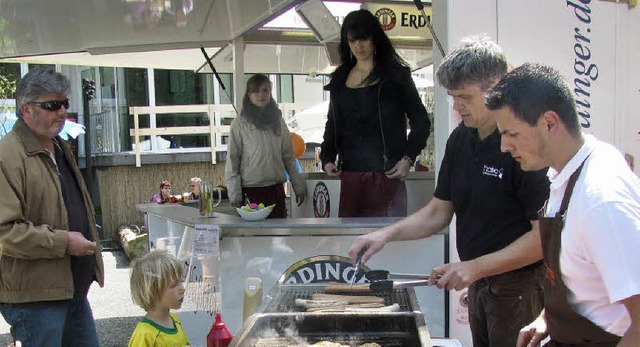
(233, 225)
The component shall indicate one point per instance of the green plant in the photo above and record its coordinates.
(7, 87)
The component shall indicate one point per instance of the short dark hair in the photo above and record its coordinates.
(477, 60)
(165, 183)
(532, 89)
(39, 82)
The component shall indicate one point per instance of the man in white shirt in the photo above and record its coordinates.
(590, 227)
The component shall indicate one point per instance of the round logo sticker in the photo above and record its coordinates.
(387, 18)
(321, 201)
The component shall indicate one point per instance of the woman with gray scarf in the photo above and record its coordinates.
(260, 151)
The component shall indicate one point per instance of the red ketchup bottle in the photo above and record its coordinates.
(219, 335)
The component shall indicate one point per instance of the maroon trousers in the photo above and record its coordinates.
(268, 196)
(371, 194)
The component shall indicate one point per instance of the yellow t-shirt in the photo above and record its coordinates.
(148, 333)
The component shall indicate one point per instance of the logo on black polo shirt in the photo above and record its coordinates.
(492, 171)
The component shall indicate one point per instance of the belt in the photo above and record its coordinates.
(529, 268)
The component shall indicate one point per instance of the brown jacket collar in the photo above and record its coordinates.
(29, 140)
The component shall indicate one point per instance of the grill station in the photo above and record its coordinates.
(281, 323)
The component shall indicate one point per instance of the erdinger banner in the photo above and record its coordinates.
(322, 268)
(576, 37)
(401, 19)
(594, 44)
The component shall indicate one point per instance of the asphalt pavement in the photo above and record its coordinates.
(115, 314)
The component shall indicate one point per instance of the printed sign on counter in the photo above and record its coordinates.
(206, 240)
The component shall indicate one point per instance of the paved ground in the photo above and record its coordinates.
(116, 315)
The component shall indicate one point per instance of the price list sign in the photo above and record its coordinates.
(207, 240)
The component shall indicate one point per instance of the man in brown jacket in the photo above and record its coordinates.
(49, 254)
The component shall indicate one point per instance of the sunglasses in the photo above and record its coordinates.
(51, 105)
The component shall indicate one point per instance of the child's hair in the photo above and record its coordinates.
(151, 275)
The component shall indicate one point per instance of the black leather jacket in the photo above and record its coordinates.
(372, 136)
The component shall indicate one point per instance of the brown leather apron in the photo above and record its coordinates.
(566, 327)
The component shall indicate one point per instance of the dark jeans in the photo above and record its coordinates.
(67, 323)
(371, 194)
(501, 305)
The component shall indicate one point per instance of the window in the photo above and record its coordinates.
(135, 94)
(227, 80)
(178, 87)
(41, 66)
(285, 88)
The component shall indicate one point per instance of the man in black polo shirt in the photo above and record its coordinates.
(495, 203)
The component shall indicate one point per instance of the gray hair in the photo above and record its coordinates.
(477, 60)
(39, 82)
(196, 179)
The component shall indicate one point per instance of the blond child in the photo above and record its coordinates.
(156, 286)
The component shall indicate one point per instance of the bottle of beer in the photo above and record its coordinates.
(219, 335)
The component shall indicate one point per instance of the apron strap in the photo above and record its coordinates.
(570, 185)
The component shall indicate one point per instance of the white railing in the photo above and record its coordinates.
(212, 129)
(215, 129)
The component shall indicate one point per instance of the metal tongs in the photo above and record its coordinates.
(376, 275)
(357, 268)
(383, 280)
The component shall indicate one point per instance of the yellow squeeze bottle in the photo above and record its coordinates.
(252, 296)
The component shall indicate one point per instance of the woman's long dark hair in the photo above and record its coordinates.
(267, 117)
(361, 24)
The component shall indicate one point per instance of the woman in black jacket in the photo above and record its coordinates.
(365, 138)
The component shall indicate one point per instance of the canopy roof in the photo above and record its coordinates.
(169, 33)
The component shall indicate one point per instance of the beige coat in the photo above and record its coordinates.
(33, 222)
(258, 158)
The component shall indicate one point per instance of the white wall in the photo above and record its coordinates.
(628, 72)
(573, 39)
(307, 90)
